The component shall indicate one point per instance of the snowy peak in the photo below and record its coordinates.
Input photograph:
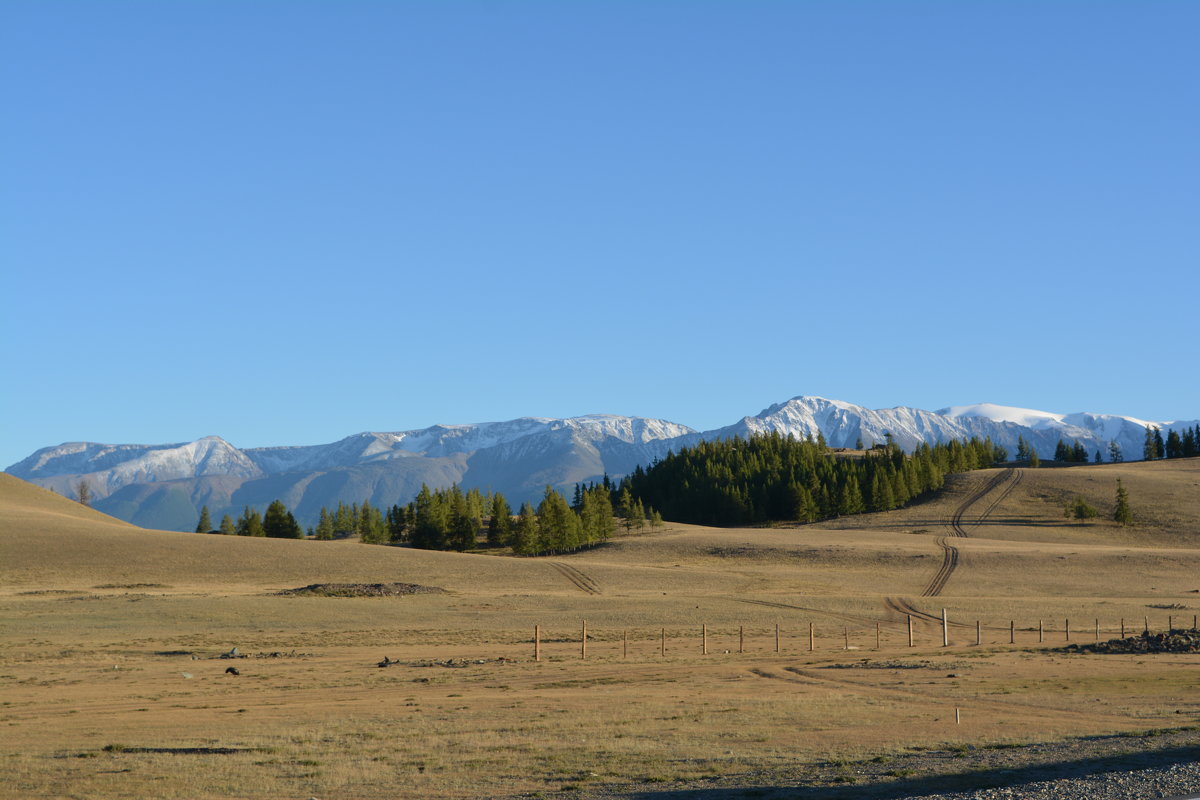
(109, 467)
(1027, 417)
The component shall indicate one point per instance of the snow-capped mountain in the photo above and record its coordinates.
(164, 485)
(108, 467)
(844, 424)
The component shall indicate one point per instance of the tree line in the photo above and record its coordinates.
(451, 519)
(277, 523)
(769, 477)
(1176, 445)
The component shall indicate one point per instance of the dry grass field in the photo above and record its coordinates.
(111, 683)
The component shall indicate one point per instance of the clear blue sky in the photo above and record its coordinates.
(286, 222)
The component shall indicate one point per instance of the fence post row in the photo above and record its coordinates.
(812, 636)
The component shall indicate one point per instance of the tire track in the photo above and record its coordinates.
(949, 564)
(902, 606)
(950, 554)
(835, 614)
(581, 580)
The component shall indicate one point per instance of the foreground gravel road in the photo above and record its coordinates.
(1150, 766)
(1177, 780)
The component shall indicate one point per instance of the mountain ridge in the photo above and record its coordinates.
(164, 485)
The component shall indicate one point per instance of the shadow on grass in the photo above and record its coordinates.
(874, 788)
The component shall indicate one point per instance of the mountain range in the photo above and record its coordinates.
(164, 486)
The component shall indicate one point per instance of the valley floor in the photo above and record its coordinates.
(112, 683)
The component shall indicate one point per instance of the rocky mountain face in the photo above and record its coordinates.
(164, 486)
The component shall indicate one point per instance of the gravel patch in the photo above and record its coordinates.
(1176, 780)
(1154, 764)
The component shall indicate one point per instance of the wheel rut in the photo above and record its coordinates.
(581, 580)
(1009, 479)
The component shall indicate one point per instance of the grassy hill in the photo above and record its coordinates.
(110, 635)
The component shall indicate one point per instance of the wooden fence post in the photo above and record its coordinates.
(704, 639)
(1012, 631)
(876, 635)
(583, 641)
(624, 644)
(776, 637)
(978, 641)
(811, 638)
(537, 642)
(741, 639)
(910, 641)
(1067, 629)
(663, 643)
(845, 638)
(945, 630)
(1122, 627)
(1147, 626)
(1041, 632)
(1097, 630)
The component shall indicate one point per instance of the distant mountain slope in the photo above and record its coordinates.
(164, 486)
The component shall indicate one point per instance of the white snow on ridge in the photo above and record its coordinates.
(1028, 417)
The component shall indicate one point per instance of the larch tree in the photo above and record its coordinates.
(1122, 513)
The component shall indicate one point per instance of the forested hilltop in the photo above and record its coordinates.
(771, 477)
(738, 481)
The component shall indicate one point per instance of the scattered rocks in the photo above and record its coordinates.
(361, 590)
(450, 663)
(1173, 642)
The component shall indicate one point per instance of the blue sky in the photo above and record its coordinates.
(285, 222)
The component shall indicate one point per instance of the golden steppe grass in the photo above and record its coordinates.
(110, 685)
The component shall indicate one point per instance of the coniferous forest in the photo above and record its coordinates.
(771, 477)
(738, 481)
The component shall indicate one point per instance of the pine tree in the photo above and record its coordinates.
(429, 532)
(1114, 452)
(526, 537)
(559, 524)
(1174, 445)
(324, 525)
(371, 527)
(399, 522)
(1034, 460)
(227, 526)
(1148, 449)
(625, 508)
(250, 523)
(850, 499)
(1022, 449)
(278, 523)
(83, 493)
(205, 523)
(1122, 514)
(1062, 452)
(500, 525)
(1160, 449)
(1097, 458)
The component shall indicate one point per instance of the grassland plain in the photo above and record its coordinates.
(111, 683)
